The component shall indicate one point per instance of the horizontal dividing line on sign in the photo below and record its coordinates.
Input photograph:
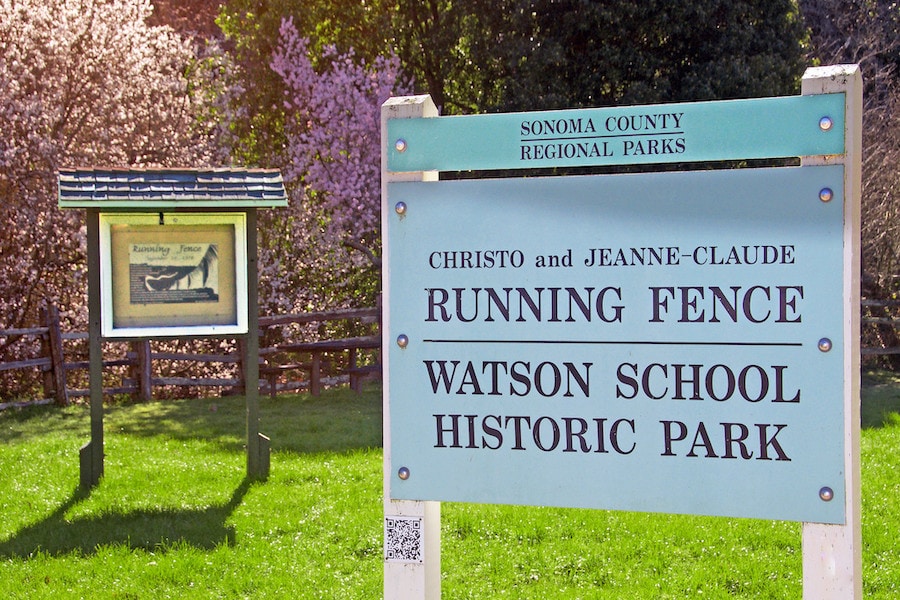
(614, 342)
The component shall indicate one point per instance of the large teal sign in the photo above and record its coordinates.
(666, 342)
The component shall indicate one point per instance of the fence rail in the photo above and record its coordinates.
(289, 362)
(880, 322)
(283, 362)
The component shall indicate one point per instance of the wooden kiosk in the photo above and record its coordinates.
(172, 254)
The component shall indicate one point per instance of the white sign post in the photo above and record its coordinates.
(412, 529)
(832, 554)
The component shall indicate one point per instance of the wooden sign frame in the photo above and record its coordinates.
(173, 274)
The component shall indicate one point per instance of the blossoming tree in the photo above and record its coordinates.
(329, 240)
(81, 83)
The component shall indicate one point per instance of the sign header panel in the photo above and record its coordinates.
(667, 342)
(666, 133)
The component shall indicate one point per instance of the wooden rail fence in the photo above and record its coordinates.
(288, 362)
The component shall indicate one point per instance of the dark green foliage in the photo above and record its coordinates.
(450, 49)
(479, 55)
(867, 33)
(475, 55)
(572, 53)
(252, 28)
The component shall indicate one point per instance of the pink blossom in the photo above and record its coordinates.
(84, 83)
(334, 169)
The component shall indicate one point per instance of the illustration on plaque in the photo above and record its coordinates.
(179, 273)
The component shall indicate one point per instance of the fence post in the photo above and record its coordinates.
(241, 387)
(47, 374)
(142, 370)
(55, 349)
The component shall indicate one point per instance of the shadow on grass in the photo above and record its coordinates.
(880, 402)
(17, 422)
(154, 530)
(339, 420)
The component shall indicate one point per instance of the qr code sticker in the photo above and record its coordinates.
(403, 539)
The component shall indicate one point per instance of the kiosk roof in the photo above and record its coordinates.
(115, 188)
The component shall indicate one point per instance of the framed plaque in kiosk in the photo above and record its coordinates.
(173, 274)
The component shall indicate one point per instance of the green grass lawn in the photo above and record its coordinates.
(174, 517)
